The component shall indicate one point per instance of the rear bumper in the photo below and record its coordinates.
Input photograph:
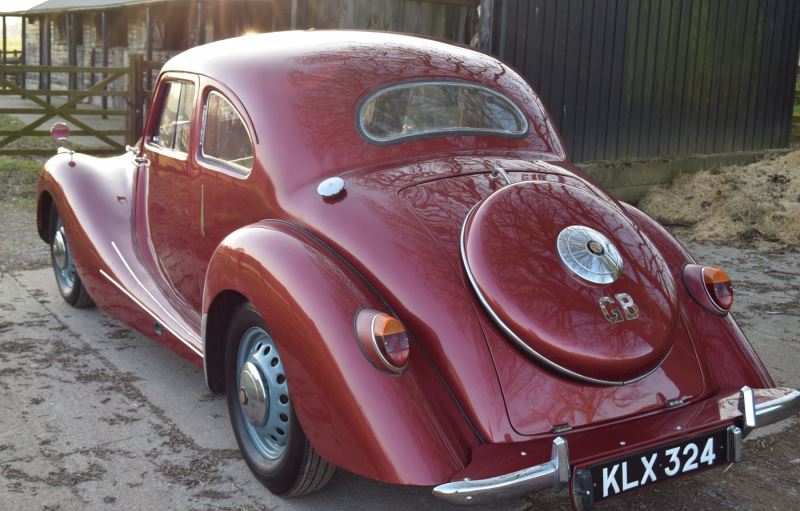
(751, 408)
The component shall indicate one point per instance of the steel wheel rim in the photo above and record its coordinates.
(62, 260)
(258, 351)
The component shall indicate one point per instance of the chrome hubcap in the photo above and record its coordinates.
(253, 395)
(263, 393)
(62, 260)
(60, 249)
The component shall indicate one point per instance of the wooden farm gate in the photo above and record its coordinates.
(133, 84)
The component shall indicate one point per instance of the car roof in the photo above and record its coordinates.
(301, 89)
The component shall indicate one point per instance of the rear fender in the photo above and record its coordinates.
(404, 428)
(726, 352)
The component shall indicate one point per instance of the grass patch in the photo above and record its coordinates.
(10, 123)
(14, 43)
(18, 174)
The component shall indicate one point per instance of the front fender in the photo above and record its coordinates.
(403, 429)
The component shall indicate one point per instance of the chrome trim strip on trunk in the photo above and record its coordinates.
(514, 337)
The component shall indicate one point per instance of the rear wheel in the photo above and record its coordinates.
(69, 284)
(267, 430)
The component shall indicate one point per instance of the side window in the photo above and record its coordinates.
(225, 138)
(175, 120)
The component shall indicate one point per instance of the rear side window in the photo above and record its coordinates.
(417, 109)
(225, 138)
(175, 120)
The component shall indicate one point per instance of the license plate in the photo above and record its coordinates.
(612, 478)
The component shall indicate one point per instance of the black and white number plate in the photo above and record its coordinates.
(618, 476)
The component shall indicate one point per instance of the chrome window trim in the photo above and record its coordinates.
(440, 131)
(510, 333)
(238, 169)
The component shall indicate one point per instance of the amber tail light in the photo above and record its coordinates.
(709, 286)
(383, 340)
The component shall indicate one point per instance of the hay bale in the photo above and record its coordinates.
(749, 203)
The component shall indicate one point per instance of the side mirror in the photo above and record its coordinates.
(60, 132)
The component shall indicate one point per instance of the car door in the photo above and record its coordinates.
(232, 190)
(172, 215)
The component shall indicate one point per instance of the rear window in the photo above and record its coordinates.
(225, 138)
(419, 109)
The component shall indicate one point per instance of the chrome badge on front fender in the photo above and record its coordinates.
(620, 309)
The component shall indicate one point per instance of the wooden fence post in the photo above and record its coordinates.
(135, 98)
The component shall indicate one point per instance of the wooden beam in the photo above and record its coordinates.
(293, 16)
(24, 53)
(48, 37)
(72, 48)
(149, 45)
(486, 24)
(104, 28)
(5, 43)
(201, 23)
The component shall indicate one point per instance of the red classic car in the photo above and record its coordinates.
(377, 248)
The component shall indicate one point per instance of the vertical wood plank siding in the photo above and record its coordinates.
(637, 79)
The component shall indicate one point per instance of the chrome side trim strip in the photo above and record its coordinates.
(510, 333)
(552, 475)
(151, 313)
(177, 322)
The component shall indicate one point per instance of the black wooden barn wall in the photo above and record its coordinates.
(633, 79)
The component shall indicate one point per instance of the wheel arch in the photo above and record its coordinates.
(214, 328)
(402, 429)
(43, 205)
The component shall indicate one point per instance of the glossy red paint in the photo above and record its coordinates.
(508, 242)
(167, 243)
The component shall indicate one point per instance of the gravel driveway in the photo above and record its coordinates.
(95, 416)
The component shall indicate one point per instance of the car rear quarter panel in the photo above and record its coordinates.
(396, 428)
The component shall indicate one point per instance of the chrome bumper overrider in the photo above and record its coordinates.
(555, 474)
(757, 415)
(551, 475)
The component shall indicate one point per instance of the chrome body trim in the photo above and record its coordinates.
(497, 170)
(552, 475)
(749, 407)
(774, 410)
(601, 267)
(735, 441)
(330, 187)
(135, 300)
(441, 131)
(166, 312)
(516, 339)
